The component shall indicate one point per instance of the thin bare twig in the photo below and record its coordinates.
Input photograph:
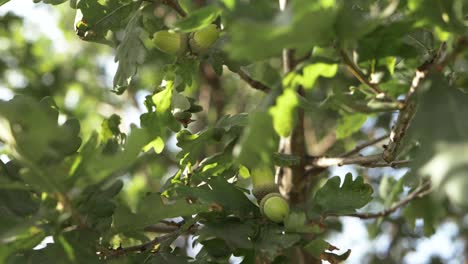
(325, 162)
(354, 69)
(421, 191)
(363, 146)
(253, 83)
(174, 4)
(404, 118)
(112, 253)
(161, 228)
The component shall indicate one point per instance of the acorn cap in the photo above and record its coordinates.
(274, 207)
(169, 42)
(261, 191)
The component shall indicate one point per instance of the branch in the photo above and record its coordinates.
(423, 190)
(174, 4)
(363, 146)
(354, 69)
(325, 162)
(407, 113)
(404, 118)
(169, 227)
(253, 83)
(112, 253)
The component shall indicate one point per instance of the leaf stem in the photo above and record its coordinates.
(253, 83)
(174, 4)
(354, 69)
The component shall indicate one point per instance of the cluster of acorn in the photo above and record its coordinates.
(179, 43)
(272, 204)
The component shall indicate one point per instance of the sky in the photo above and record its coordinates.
(42, 19)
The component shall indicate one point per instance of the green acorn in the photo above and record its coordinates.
(202, 40)
(274, 207)
(169, 42)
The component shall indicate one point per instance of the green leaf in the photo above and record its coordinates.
(229, 121)
(151, 210)
(258, 142)
(156, 144)
(130, 53)
(219, 191)
(317, 247)
(235, 233)
(272, 239)
(303, 25)
(352, 195)
(193, 145)
(310, 74)
(389, 40)
(446, 14)
(162, 100)
(99, 164)
(349, 124)
(167, 258)
(20, 244)
(296, 222)
(428, 208)
(284, 113)
(2, 2)
(198, 19)
(390, 189)
(354, 22)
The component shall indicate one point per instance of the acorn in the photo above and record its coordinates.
(263, 182)
(170, 42)
(200, 41)
(274, 207)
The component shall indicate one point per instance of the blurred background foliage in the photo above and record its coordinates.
(68, 146)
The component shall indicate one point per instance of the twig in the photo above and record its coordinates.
(404, 119)
(371, 161)
(161, 228)
(460, 46)
(363, 146)
(111, 253)
(354, 69)
(174, 4)
(303, 58)
(253, 83)
(169, 227)
(423, 190)
(393, 164)
(325, 162)
(409, 105)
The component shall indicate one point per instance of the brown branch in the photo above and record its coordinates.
(404, 119)
(253, 83)
(161, 228)
(363, 146)
(354, 69)
(371, 161)
(423, 190)
(292, 183)
(409, 109)
(174, 4)
(325, 162)
(120, 251)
